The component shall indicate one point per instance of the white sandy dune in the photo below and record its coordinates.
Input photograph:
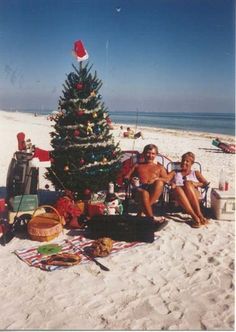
(182, 281)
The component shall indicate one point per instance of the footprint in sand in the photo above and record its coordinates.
(213, 260)
(231, 265)
(199, 237)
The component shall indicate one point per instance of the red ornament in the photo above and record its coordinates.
(82, 161)
(76, 133)
(80, 112)
(87, 192)
(79, 86)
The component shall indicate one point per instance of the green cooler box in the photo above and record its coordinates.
(25, 203)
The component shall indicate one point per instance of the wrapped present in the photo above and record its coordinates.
(95, 209)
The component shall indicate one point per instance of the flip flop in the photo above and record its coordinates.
(159, 220)
(160, 223)
(204, 221)
(195, 225)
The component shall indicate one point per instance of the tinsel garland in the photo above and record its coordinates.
(77, 126)
(97, 163)
(94, 110)
(88, 138)
(84, 100)
(86, 145)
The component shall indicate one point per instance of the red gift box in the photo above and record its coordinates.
(2, 204)
(95, 209)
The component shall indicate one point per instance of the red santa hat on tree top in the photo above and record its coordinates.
(79, 51)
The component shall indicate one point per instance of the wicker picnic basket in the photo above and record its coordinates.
(45, 226)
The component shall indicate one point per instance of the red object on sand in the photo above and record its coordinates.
(21, 141)
(225, 147)
(228, 148)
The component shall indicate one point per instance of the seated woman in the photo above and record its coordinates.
(152, 177)
(185, 184)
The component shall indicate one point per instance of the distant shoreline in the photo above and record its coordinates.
(178, 132)
(131, 121)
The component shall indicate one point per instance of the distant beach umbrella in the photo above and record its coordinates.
(79, 51)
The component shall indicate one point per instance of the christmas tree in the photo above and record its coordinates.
(85, 157)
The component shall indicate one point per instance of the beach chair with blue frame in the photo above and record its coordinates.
(170, 205)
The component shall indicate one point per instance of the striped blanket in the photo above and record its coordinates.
(32, 257)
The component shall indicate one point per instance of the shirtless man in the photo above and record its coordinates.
(152, 177)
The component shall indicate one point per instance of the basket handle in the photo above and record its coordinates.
(61, 219)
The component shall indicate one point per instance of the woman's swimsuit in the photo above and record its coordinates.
(179, 178)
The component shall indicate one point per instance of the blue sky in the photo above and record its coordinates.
(152, 55)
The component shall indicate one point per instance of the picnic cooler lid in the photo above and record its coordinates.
(220, 194)
(46, 224)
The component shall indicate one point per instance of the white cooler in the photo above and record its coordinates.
(223, 204)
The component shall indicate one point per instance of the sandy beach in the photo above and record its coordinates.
(182, 281)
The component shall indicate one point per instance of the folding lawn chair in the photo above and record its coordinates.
(169, 203)
(129, 159)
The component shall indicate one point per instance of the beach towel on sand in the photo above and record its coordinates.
(32, 257)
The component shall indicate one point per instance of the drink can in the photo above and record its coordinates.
(111, 188)
(136, 181)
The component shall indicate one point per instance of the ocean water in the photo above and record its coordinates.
(219, 123)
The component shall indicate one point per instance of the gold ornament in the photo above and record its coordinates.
(104, 160)
(89, 128)
(66, 168)
(93, 94)
(94, 115)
